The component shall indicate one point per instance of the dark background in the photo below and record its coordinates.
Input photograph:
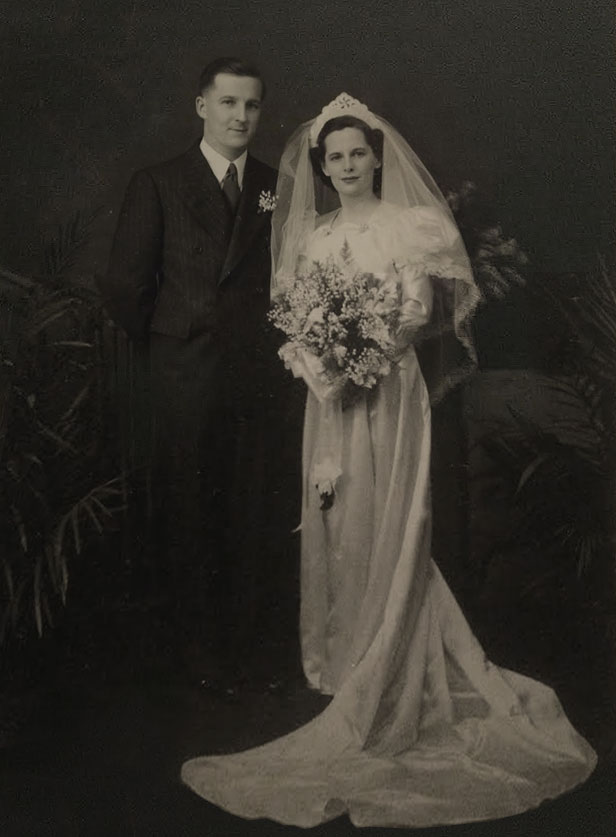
(517, 97)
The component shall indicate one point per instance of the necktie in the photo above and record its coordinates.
(231, 188)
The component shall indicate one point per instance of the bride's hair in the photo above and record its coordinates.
(374, 138)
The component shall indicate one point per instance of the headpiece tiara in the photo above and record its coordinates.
(342, 105)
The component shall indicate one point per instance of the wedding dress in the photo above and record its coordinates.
(422, 728)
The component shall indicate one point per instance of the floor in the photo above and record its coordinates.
(92, 743)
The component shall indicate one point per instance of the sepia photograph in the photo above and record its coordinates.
(307, 419)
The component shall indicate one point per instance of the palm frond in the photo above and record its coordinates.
(61, 253)
(12, 611)
(36, 601)
(10, 583)
(21, 527)
(79, 399)
(20, 280)
(75, 344)
(47, 312)
(87, 508)
(531, 469)
(59, 441)
(590, 312)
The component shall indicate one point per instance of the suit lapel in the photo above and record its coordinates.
(202, 195)
(247, 220)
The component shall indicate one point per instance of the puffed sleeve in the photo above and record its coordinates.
(419, 235)
(429, 237)
(426, 243)
(416, 296)
(436, 232)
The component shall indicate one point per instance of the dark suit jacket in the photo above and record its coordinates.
(178, 265)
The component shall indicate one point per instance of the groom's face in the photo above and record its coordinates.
(230, 108)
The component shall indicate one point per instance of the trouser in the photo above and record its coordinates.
(228, 445)
(188, 478)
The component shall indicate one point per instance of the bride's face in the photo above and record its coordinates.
(350, 162)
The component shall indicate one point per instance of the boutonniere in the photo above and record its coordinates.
(267, 201)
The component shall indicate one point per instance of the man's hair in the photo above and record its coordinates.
(233, 66)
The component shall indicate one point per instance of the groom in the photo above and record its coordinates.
(189, 271)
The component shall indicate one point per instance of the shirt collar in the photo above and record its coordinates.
(220, 164)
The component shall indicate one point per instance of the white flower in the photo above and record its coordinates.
(340, 353)
(325, 475)
(267, 201)
(317, 315)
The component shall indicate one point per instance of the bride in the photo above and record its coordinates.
(422, 729)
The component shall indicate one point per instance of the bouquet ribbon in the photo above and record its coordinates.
(327, 460)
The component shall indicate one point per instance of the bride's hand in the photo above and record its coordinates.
(405, 334)
(413, 315)
(311, 369)
(325, 390)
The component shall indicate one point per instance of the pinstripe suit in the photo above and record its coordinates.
(179, 266)
(195, 282)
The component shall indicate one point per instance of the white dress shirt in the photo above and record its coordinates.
(220, 164)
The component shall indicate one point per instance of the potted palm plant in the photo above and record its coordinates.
(59, 482)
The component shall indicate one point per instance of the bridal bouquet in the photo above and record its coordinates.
(341, 326)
